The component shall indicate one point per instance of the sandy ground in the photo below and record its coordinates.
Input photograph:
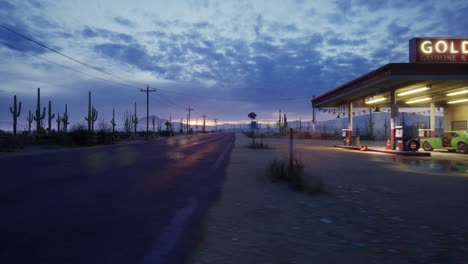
(376, 209)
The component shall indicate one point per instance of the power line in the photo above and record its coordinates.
(66, 56)
(66, 67)
(134, 83)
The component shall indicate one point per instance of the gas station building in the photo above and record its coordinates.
(436, 76)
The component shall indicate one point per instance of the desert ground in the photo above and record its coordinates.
(376, 208)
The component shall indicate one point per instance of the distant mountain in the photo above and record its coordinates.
(158, 123)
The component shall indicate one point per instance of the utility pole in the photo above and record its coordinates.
(216, 124)
(147, 91)
(188, 118)
(204, 116)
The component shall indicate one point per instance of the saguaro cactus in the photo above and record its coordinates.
(113, 121)
(16, 111)
(50, 116)
(38, 117)
(135, 120)
(285, 124)
(30, 119)
(59, 121)
(65, 119)
(92, 115)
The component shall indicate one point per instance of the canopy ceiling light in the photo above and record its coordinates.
(376, 100)
(458, 101)
(414, 91)
(458, 92)
(419, 100)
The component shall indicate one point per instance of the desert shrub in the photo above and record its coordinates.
(166, 133)
(81, 136)
(10, 143)
(104, 137)
(279, 170)
(4, 133)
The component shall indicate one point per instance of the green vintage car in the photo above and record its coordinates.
(452, 140)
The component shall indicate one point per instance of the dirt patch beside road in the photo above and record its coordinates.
(374, 211)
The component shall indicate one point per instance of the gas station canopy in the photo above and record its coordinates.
(414, 84)
(436, 75)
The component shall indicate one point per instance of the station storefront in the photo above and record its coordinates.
(435, 77)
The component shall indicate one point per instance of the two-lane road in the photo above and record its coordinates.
(129, 203)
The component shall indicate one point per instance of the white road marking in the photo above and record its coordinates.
(222, 156)
(170, 235)
(172, 232)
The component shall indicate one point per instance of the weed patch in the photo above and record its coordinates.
(280, 170)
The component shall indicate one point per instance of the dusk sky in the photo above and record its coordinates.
(222, 58)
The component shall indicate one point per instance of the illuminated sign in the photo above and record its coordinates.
(439, 50)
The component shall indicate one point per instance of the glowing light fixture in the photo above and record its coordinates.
(419, 100)
(376, 100)
(414, 91)
(458, 92)
(458, 101)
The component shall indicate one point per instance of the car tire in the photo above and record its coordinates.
(412, 145)
(462, 147)
(427, 147)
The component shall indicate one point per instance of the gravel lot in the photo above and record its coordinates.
(377, 208)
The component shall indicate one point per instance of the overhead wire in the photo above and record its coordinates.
(68, 57)
(134, 83)
(64, 66)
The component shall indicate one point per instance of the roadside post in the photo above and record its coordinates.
(291, 158)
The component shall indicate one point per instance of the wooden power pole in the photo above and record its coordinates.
(147, 91)
(188, 118)
(204, 116)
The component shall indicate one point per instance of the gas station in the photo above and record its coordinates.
(435, 77)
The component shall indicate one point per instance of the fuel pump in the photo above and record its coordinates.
(345, 134)
(406, 141)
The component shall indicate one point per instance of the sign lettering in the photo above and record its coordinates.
(439, 50)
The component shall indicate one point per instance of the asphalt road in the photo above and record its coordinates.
(133, 203)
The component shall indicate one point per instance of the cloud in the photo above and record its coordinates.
(258, 24)
(36, 4)
(123, 21)
(6, 7)
(373, 5)
(130, 54)
(335, 41)
(43, 23)
(20, 42)
(103, 33)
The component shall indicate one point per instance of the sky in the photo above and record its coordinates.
(224, 59)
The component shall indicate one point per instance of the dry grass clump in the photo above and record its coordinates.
(279, 170)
